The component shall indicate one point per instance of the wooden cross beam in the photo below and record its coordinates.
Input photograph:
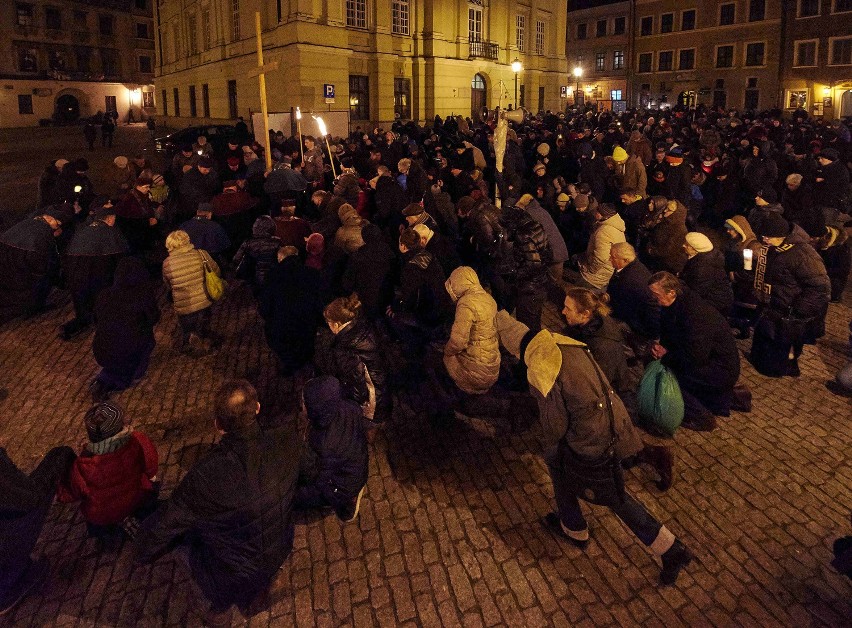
(260, 72)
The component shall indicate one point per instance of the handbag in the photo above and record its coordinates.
(214, 285)
(598, 480)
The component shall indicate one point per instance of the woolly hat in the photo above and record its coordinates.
(539, 166)
(774, 226)
(699, 242)
(120, 161)
(829, 153)
(768, 195)
(619, 155)
(581, 202)
(563, 198)
(144, 179)
(104, 420)
(413, 209)
(543, 149)
(59, 164)
(606, 210)
(205, 207)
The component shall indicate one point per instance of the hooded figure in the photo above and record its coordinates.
(348, 237)
(334, 466)
(256, 256)
(472, 354)
(124, 334)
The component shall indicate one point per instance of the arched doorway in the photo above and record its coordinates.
(67, 108)
(478, 96)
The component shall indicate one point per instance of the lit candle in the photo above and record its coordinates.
(747, 257)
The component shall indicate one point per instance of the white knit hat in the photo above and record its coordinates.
(699, 242)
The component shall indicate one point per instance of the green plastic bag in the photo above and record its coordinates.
(660, 400)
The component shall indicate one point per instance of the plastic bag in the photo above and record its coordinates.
(659, 397)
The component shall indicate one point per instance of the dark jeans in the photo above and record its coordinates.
(197, 323)
(530, 301)
(320, 496)
(135, 368)
(19, 532)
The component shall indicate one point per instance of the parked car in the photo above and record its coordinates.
(217, 136)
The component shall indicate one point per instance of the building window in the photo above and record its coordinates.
(400, 13)
(232, 99)
(80, 20)
(83, 57)
(145, 64)
(600, 28)
(756, 10)
(725, 57)
(359, 97)
(720, 96)
(25, 104)
(581, 31)
(615, 94)
(193, 107)
(165, 103)
(110, 104)
(664, 63)
(619, 25)
(667, 22)
(646, 26)
(176, 95)
(356, 13)
(520, 32)
(27, 60)
(541, 98)
(841, 5)
(841, 51)
(105, 25)
(646, 61)
(600, 61)
(687, 20)
(141, 30)
(539, 37)
(618, 60)
(402, 98)
(110, 61)
(148, 100)
(56, 60)
(686, 59)
(806, 53)
(808, 8)
(752, 98)
(474, 25)
(727, 14)
(192, 34)
(53, 18)
(797, 99)
(205, 100)
(755, 53)
(25, 13)
(205, 27)
(235, 20)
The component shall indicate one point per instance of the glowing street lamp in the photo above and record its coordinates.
(516, 68)
(578, 72)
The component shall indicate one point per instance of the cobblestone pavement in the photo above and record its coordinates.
(448, 532)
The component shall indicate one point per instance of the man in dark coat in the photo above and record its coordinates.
(233, 209)
(368, 272)
(73, 185)
(832, 179)
(233, 508)
(89, 264)
(416, 181)
(206, 234)
(704, 272)
(533, 256)
(198, 185)
(629, 296)
(334, 466)
(696, 343)
(137, 216)
(29, 261)
(390, 200)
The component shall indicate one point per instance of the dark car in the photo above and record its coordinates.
(217, 136)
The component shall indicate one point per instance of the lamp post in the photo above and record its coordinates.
(516, 68)
(578, 72)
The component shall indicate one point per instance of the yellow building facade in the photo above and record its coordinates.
(412, 59)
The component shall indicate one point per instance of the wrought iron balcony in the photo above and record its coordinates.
(484, 50)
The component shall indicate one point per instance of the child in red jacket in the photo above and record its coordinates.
(115, 476)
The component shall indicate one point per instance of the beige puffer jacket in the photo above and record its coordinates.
(348, 237)
(472, 355)
(183, 272)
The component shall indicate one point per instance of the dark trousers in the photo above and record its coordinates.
(320, 496)
(529, 302)
(134, 368)
(18, 534)
(197, 323)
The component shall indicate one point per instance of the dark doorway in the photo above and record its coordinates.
(686, 99)
(478, 100)
(67, 108)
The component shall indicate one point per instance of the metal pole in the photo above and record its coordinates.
(263, 107)
(516, 90)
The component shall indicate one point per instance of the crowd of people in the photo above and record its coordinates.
(421, 258)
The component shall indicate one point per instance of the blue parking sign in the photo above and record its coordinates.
(328, 90)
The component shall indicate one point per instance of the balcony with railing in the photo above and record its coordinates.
(484, 50)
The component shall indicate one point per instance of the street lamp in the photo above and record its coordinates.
(516, 68)
(578, 72)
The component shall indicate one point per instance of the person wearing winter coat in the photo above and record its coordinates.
(696, 343)
(741, 238)
(662, 234)
(765, 203)
(206, 234)
(577, 408)
(630, 172)
(390, 199)
(831, 181)
(760, 170)
(704, 272)
(233, 210)
(291, 307)
(472, 354)
(47, 182)
(120, 177)
(348, 236)
(183, 274)
(834, 246)
(793, 289)
(368, 272)
(89, 264)
(422, 301)
(257, 255)
(312, 165)
(335, 464)
(416, 182)
(678, 182)
(595, 266)
(233, 508)
(797, 199)
(115, 476)
(557, 243)
(440, 247)
(629, 297)
(533, 257)
(137, 216)
(439, 205)
(352, 354)
(346, 185)
(125, 316)
(25, 501)
(199, 184)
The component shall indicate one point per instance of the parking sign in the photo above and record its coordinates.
(328, 90)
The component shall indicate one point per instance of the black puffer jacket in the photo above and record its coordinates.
(834, 185)
(337, 445)
(798, 279)
(532, 250)
(705, 274)
(256, 257)
(350, 356)
(422, 290)
(368, 271)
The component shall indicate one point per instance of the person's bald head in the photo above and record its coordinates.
(236, 405)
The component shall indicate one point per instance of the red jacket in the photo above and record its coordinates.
(112, 486)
